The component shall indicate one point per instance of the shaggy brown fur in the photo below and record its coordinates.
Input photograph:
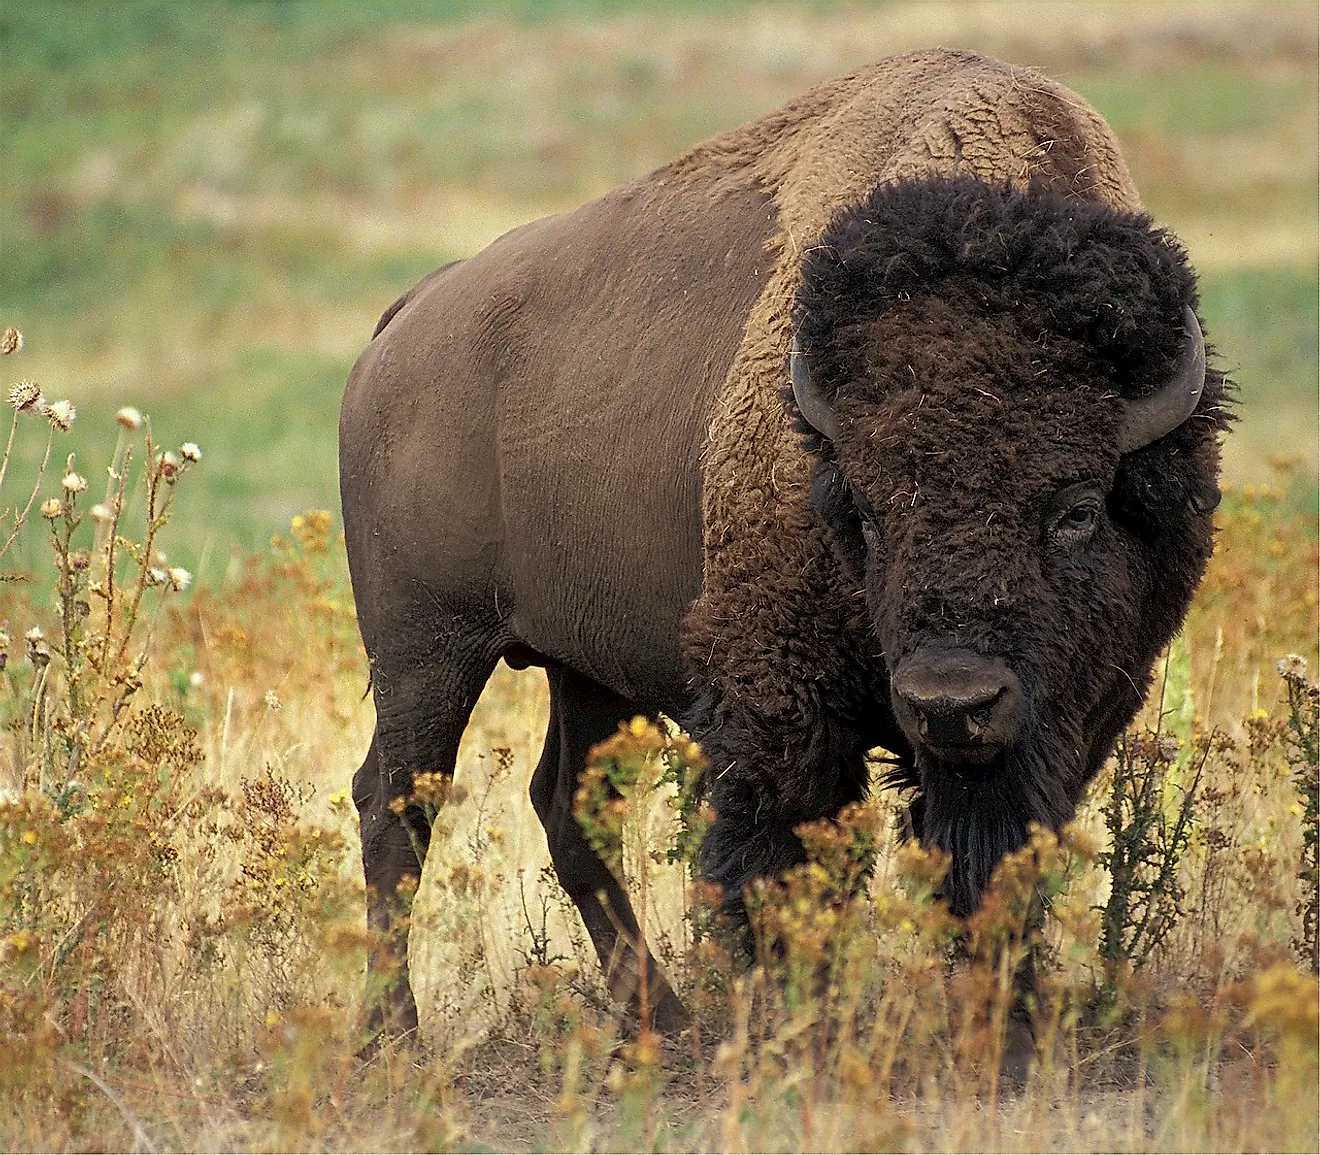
(934, 113)
(921, 115)
(974, 342)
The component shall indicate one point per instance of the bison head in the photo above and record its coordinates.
(1016, 441)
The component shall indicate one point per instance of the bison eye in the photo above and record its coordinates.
(1080, 517)
(1076, 525)
(1072, 515)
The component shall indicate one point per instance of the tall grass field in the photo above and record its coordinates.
(205, 208)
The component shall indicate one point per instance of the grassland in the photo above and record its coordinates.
(205, 209)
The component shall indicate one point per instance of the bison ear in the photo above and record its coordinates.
(811, 403)
(1150, 418)
(1205, 500)
(832, 498)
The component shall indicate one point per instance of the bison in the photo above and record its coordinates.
(883, 420)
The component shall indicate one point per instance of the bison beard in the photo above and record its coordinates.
(978, 820)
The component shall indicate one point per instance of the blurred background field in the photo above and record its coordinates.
(204, 207)
(207, 205)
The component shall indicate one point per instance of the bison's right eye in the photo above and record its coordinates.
(1079, 519)
(1074, 517)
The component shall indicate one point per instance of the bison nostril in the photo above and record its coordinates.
(954, 718)
(980, 717)
(947, 722)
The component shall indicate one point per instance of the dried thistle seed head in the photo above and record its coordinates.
(11, 341)
(26, 396)
(156, 576)
(180, 578)
(60, 414)
(79, 559)
(51, 508)
(129, 417)
(168, 464)
(74, 482)
(189, 451)
(1293, 667)
(35, 634)
(100, 512)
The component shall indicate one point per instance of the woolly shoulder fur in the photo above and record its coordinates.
(936, 113)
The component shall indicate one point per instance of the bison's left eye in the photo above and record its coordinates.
(1080, 518)
(1076, 525)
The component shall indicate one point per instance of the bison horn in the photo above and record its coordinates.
(1150, 418)
(811, 402)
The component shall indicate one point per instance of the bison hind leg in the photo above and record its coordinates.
(422, 708)
(583, 713)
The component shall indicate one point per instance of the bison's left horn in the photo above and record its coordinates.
(1150, 418)
(811, 402)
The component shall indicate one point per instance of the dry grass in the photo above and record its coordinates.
(181, 939)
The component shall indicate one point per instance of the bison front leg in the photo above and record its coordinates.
(583, 713)
(766, 780)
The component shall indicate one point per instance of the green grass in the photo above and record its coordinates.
(1264, 322)
(283, 425)
(1196, 99)
(208, 205)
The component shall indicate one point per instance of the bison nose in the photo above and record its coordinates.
(960, 704)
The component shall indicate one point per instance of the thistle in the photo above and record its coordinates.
(60, 414)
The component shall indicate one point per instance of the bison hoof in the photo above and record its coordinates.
(1019, 1053)
(670, 1016)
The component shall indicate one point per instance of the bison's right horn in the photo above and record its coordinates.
(1150, 418)
(811, 402)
